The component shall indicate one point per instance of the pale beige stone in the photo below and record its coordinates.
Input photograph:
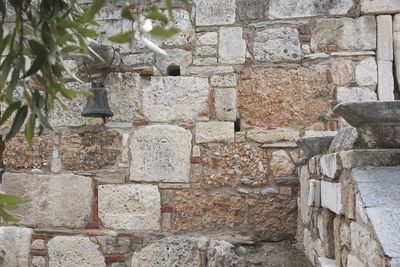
(396, 44)
(385, 80)
(380, 6)
(367, 72)
(385, 38)
(177, 57)
(215, 12)
(225, 104)
(261, 135)
(232, 46)
(281, 164)
(15, 242)
(207, 38)
(214, 131)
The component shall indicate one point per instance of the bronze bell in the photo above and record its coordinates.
(97, 104)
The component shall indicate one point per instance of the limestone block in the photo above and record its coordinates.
(396, 44)
(326, 262)
(214, 131)
(175, 98)
(346, 139)
(205, 51)
(74, 251)
(130, 207)
(232, 47)
(367, 72)
(385, 38)
(215, 12)
(207, 38)
(281, 164)
(277, 45)
(365, 157)
(205, 61)
(345, 33)
(354, 261)
(208, 71)
(251, 10)
(38, 261)
(380, 6)
(331, 196)
(176, 57)
(160, 153)
(130, 61)
(341, 71)
(330, 165)
(55, 200)
(261, 135)
(15, 242)
(355, 94)
(225, 104)
(170, 251)
(385, 80)
(280, 9)
(224, 80)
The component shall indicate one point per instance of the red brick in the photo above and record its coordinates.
(305, 38)
(92, 225)
(196, 160)
(147, 73)
(212, 103)
(36, 252)
(305, 29)
(95, 204)
(167, 208)
(188, 126)
(331, 48)
(141, 122)
(115, 258)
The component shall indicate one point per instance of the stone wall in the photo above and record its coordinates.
(209, 152)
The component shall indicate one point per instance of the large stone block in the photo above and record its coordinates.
(214, 131)
(385, 81)
(176, 57)
(74, 251)
(15, 242)
(252, 9)
(161, 153)
(281, 164)
(277, 45)
(232, 47)
(89, 149)
(175, 98)
(54, 200)
(215, 12)
(331, 166)
(260, 135)
(354, 94)
(129, 207)
(367, 72)
(380, 6)
(384, 49)
(331, 196)
(225, 104)
(283, 98)
(170, 251)
(345, 33)
(279, 9)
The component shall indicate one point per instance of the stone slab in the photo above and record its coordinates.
(215, 12)
(214, 131)
(370, 157)
(385, 80)
(55, 200)
(232, 46)
(15, 242)
(225, 104)
(367, 72)
(160, 153)
(380, 6)
(129, 207)
(396, 45)
(261, 135)
(384, 49)
(175, 98)
(346, 139)
(331, 165)
(74, 251)
(355, 94)
(331, 196)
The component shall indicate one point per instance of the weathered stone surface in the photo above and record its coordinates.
(207, 38)
(225, 104)
(206, 210)
(364, 246)
(38, 261)
(160, 153)
(366, 157)
(137, 61)
(326, 262)
(15, 242)
(208, 71)
(232, 47)
(223, 80)
(251, 10)
(354, 261)
(385, 81)
(176, 57)
(331, 165)
(384, 50)
(277, 45)
(112, 244)
(205, 51)
(214, 131)
(17, 154)
(379, 6)
(346, 139)
(355, 94)
(331, 196)
(396, 45)
(367, 72)
(124, 95)
(74, 251)
(279, 9)
(55, 200)
(175, 98)
(345, 33)
(281, 164)
(234, 165)
(283, 98)
(129, 207)
(215, 12)
(89, 149)
(341, 71)
(260, 135)
(312, 146)
(170, 251)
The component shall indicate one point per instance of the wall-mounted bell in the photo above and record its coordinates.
(97, 104)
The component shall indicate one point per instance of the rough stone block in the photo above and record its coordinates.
(304, 191)
(384, 49)
(214, 131)
(135, 61)
(380, 6)
(176, 57)
(223, 80)
(345, 33)
(89, 149)
(355, 94)
(346, 139)
(170, 251)
(385, 80)
(232, 47)
(283, 98)
(130, 207)
(38, 261)
(205, 51)
(396, 44)
(341, 72)
(367, 157)
(367, 72)
(260, 135)
(160, 153)
(281, 164)
(208, 71)
(15, 242)
(331, 196)
(74, 251)
(331, 165)
(215, 12)
(277, 45)
(251, 10)
(175, 98)
(354, 261)
(280, 9)
(207, 38)
(55, 200)
(225, 104)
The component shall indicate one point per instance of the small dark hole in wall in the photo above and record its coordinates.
(173, 70)
(237, 125)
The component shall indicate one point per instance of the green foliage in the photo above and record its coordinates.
(8, 203)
